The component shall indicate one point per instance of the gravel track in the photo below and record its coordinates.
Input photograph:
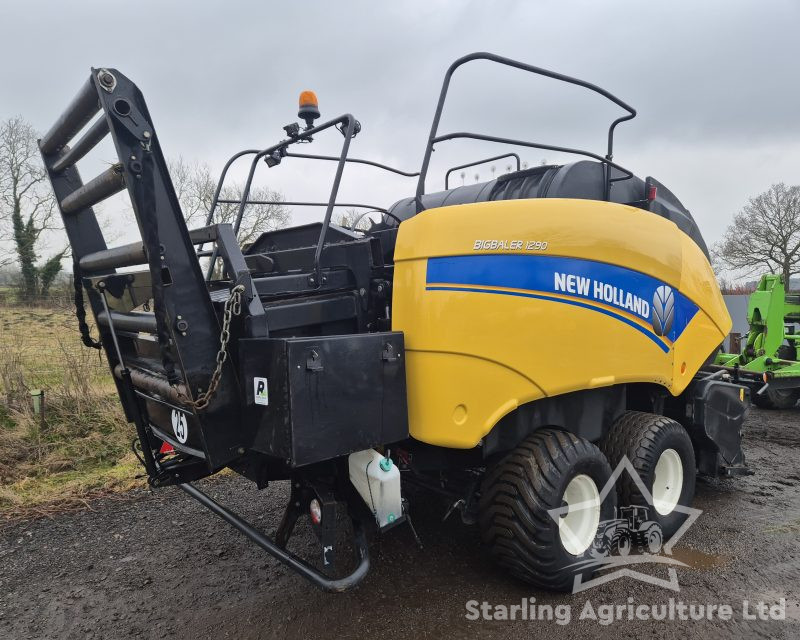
(158, 565)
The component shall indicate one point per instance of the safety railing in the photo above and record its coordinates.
(434, 137)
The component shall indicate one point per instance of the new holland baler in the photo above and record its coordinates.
(506, 344)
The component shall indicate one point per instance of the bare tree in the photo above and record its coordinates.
(350, 217)
(27, 206)
(195, 185)
(765, 234)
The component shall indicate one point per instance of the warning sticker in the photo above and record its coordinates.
(179, 426)
(260, 391)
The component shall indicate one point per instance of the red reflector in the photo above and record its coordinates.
(166, 448)
(652, 193)
(315, 511)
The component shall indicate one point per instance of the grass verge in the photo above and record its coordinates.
(80, 447)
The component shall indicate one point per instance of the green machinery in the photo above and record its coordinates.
(770, 354)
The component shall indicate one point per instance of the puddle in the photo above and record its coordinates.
(697, 559)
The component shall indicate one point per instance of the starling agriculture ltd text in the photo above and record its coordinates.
(606, 614)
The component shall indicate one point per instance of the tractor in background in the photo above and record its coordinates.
(769, 358)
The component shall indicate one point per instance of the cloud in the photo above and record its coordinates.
(714, 83)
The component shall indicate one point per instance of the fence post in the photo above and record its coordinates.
(38, 404)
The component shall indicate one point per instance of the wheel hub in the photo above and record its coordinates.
(668, 482)
(577, 527)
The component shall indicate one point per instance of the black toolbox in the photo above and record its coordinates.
(311, 399)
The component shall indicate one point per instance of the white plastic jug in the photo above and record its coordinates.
(377, 480)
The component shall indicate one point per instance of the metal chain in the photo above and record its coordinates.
(233, 307)
(80, 310)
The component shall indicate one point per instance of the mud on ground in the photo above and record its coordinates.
(159, 565)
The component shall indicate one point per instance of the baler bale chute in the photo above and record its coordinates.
(437, 348)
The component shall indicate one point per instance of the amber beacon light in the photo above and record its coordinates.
(309, 108)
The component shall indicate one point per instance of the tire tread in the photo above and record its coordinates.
(517, 494)
(636, 434)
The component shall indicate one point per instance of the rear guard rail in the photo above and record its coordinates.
(289, 559)
(434, 137)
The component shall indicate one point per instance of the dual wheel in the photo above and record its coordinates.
(546, 508)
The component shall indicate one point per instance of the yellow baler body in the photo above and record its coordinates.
(503, 303)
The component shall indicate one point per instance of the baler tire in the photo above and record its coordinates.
(776, 398)
(517, 496)
(643, 438)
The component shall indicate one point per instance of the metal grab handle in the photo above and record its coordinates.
(476, 163)
(289, 559)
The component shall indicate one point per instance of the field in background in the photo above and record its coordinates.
(81, 446)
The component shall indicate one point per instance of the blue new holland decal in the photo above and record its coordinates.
(636, 299)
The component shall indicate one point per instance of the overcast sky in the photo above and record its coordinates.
(715, 84)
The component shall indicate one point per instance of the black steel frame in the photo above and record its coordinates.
(434, 138)
(276, 550)
(184, 320)
(348, 124)
(280, 151)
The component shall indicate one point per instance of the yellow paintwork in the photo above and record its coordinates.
(472, 358)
